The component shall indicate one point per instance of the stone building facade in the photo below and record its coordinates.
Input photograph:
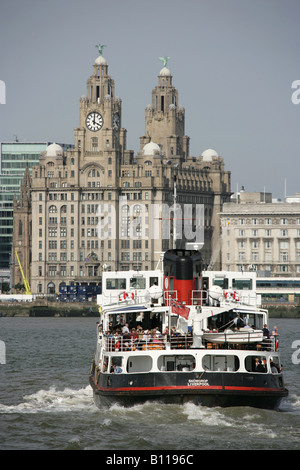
(261, 235)
(94, 206)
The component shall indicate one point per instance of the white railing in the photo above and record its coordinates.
(119, 343)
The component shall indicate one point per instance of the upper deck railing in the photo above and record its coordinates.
(118, 343)
(197, 297)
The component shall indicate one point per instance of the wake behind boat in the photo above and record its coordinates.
(177, 335)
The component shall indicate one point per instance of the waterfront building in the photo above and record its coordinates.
(261, 235)
(16, 158)
(94, 206)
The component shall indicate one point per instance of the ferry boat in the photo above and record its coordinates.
(194, 335)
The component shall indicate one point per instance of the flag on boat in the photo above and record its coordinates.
(180, 309)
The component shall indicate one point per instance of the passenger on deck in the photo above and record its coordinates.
(259, 367)
(266, 332)
(274, 369)
(117, 369)
(126, 342)
(133, 334)
(125, 329)
(276, 337)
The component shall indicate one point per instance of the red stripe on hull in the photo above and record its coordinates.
(183, 388)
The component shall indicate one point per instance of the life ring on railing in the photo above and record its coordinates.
(117, 346)
(123, 296)
(133, 294)
(234, 296)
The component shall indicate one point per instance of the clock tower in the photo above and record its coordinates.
(100, 129)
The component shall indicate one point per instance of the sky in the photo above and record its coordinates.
(233, 62)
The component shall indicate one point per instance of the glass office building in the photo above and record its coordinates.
(14, 157)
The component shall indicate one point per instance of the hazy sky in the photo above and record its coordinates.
(233, 63)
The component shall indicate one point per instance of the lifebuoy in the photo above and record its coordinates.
(117, 346)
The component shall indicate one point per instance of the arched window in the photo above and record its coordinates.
(52, 209)
(51, 288)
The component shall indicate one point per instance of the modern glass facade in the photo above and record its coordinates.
(14, 157)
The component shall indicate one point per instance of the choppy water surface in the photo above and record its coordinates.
(46, 402)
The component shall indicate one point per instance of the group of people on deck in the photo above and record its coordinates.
(124, 338)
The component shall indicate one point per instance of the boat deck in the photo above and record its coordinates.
(118, 343)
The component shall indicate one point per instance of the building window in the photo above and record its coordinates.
(283, 268)
(284, 256)
(52, 209)
(52, 271)
(94, 144)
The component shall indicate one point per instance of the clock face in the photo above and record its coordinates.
(94, 121)
(116, 122)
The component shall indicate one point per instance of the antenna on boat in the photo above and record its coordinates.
(174, 221)
(160, 260)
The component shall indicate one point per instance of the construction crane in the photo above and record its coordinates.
(25, 281)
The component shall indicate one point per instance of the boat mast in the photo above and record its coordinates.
(175, 208)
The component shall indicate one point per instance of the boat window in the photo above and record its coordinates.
(183, 362)
(105, 364)
(275, 364)
(221, 281)
(113, 283)
(138, 282)
(242, 284)
(153, 281)
(116, 364)
(256, 364)
(228, 363)
(139, 364)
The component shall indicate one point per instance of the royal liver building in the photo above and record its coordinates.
(100, 206)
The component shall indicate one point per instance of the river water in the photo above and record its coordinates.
(47, 404)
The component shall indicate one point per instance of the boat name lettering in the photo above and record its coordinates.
(198, 382)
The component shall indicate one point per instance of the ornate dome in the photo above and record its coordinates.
(165, 72)
(208, 155)
(54, 150)
(151, 149)
(100, 60)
